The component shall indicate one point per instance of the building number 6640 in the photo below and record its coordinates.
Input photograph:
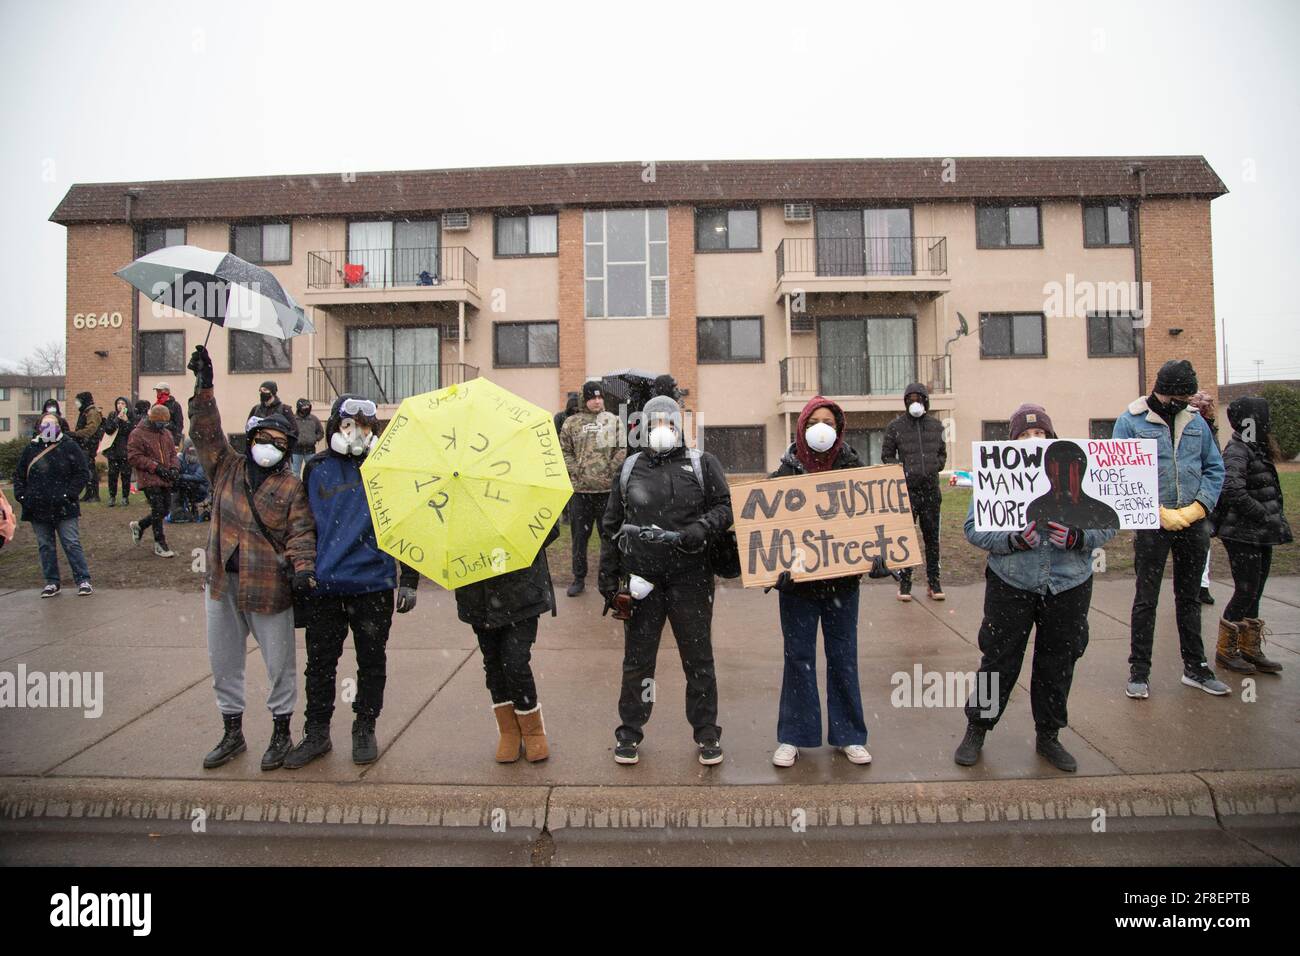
(89, 320)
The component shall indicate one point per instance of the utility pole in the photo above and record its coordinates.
(1226, 374)
(1258, 363)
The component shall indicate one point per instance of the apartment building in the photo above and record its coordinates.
(21, 398)
(757, 284)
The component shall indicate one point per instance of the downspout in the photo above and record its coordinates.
(1140, 338)
(133, 391)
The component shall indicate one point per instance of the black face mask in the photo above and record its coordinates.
(266, 397)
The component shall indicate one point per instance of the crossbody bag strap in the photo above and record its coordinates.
(261, 525)
(32, 464)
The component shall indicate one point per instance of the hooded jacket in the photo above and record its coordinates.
(177, 424)
(916, 443)
(149, 451)
(1250, 507)
(120, 429)
(508, 598)
(277, 407)
(310, 432)
(90, 423)
(48, 489)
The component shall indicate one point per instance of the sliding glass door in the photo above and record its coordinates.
(406, 361)
(858, 242)
(871, 355)
(394, 253)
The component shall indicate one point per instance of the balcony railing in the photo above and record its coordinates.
(870, 256)
(382, 384)
(391, 268)
(864, 374)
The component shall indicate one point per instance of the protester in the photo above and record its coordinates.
(1207, 408)
(89, 430)
(190, 502)
(50, 474)
(262, 537)
(310, 432)
(152, 455)
(1037, 579)
(571, 407)
(915, 440)
(504, 613)
(593, 451)
(269, 404)
(119, 425)
(176, 424)
(354, 586)
(1250, 520)
(51, 406)
(819, 446)
(1190, 472)
(666, 487)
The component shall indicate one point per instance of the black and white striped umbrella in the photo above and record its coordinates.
(219, 287)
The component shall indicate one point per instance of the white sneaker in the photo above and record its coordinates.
(857, 753)
(136, 533)
(163, 551)
(785, 755)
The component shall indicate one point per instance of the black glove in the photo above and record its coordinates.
(405, 599)
(784, 583)
(201, 365)
(693, 537)
(304, 582)
(880, 570)
(170, 474)
(1065, 538)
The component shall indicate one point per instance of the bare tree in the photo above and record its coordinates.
(47, 359)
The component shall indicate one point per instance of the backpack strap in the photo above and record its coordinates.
(694, 454)
(625, 475)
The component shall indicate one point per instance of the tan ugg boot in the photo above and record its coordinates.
(1228, 652)
(1251, 638)
(534, 731)
(508, 726)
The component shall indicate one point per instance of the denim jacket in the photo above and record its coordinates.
(1044, 570)
(1190, 465)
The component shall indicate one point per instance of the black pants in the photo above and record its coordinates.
(585, 511)
(160, 502)
(1250, 564)
(119, 475)
(507, 655)
(370, 616)
(1150, 551)
(925, 499)
(687, 603)
(1060, 625)
(92, 475)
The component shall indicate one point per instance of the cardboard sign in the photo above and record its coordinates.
(1083, 483)
(831, 524)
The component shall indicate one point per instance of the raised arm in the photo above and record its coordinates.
(205, 420)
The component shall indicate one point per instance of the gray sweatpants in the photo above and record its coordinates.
(228, 630)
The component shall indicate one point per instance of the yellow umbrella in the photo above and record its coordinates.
(466, 482)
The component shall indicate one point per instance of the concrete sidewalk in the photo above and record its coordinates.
(1181, 752)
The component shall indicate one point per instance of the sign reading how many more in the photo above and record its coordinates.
(1081, 483)
(830, 524)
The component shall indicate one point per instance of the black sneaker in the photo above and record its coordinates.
(1057, 756)
(50, 590)
(627, 752)
(968, 751)
(84, 588)
(365, 746)
(1205, 597)
(710, 753)
(1198, 675)
(576, 588)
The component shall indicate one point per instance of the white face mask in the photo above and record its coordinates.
(662, 439)
(351, 440)
(268, 456)
(916, 409)
(820, 436)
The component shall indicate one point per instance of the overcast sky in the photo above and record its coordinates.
(120, 91)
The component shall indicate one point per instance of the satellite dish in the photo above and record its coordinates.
(962, 327)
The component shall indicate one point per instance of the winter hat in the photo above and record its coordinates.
(916, 388)
(661, 406)
(303, 406)
(664, 385)
(590, 390)
(1250, 409)
(1176, 377)
(274, 420)
(160, 413)
(271, 387)
(815, 460)
(1030, 416)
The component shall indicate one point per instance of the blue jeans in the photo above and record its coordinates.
(69, 534)
(296, 462)
(800, 721)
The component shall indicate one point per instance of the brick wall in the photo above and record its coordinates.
(681, 301)
(572, 307)
(94, 253)
(1177, 261)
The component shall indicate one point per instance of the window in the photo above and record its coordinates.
(867, 442)
(994, 431)
(162, 352)
(740, 448)
(726, 230)
(158, 237)
(4, 394)
(251, 352)
(1013, 335)
(4, 424)
(525, 344)
(534, 235)
(1111, 333)
(1100, 428)
(1007, 227)
(1106, 224)
(626, 263)
(730, 340)
(263, 243)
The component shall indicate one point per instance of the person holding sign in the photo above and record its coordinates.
(915, 440)
(1190, 477)
(819, 446)
(1037, 579)
(667, 503)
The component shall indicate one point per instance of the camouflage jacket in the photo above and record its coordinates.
(594, 450)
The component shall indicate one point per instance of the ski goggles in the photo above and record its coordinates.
(352, 407)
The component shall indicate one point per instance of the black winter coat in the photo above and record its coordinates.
(176, 425)
(1250, 504)
(277, 408)
(830, 587)
(662, 490)
(121, 430)
(512, 597)
(49, 492)
(917, 444)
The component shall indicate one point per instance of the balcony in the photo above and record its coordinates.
(430, 274)
(914, 264)
(382, 384)
(863, 383)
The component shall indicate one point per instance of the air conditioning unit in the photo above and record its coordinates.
(798, 212)
(450, 333)
(455, 221)
(802, 323)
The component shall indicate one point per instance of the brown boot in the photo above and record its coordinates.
(1251, 638)
(534, 731)
(1228, 652)
(508, 726)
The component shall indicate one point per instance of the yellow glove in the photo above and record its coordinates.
(1171, 519)
(1192, 513)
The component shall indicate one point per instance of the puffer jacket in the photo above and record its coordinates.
(830, 587)
(1250, 508)
(150, 450)
(507, 598)
(916, 443)
(48, 489)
